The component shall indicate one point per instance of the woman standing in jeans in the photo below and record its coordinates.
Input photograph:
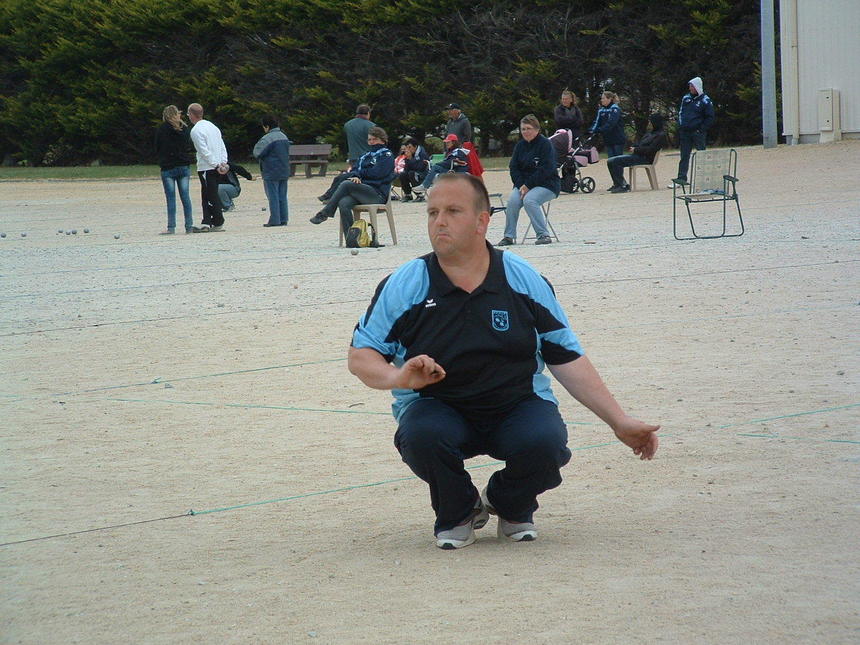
(172, 144)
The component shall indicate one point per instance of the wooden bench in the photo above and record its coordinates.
(311, 155)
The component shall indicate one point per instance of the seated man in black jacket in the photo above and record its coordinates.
(640, 154)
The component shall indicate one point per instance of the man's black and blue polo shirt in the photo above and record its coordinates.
(492, 343)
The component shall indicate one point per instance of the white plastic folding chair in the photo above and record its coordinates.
(372, 210)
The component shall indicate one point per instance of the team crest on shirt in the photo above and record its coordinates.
(500, 320)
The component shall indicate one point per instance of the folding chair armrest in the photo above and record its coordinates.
(734, 180)
(680, 182)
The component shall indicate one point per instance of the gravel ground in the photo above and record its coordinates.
(146, 377)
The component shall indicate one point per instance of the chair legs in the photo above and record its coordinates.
(545, 206)
(372, 210)
(695, 235)
(649, 169)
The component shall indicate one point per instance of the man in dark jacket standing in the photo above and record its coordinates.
(643, 153)
(273, 151)
(695, 116)
(369, 181)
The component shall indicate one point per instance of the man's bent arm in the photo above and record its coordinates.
(374, 371)
(581, 380)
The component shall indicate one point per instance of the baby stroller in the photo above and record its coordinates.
(571, 155)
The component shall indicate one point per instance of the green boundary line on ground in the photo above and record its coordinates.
(342, 489)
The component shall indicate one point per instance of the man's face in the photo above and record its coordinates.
(693, 90)
(453, 113)
(192, 116)
(410, 149)
(454, 224)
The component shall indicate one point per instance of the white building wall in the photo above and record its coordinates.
(820, 49)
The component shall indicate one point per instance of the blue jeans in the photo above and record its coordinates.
(532, 203)
(172, 178)
(276, 192)
(433, 438)
(227, 193)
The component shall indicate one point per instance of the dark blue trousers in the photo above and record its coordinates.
(434, 439)
(686, 140)
(617, 165)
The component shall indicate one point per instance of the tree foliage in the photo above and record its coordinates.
(87, 79)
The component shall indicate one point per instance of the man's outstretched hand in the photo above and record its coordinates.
(638, 435)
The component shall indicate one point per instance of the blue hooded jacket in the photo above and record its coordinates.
(696, 112)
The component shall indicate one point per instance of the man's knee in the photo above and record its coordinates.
(428, 427)
(550, 447)
(418, 437)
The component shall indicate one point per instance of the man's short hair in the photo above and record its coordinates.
(363, 109)
(410, 142)
(270, 121)
(196, 109)
(378, 132)
(482, 198)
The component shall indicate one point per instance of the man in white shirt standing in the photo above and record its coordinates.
(211, 161)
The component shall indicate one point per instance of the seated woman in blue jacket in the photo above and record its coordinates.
(369, 181)
(610, 125)
(533, 171)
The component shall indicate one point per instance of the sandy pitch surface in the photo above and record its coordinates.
(144, 377)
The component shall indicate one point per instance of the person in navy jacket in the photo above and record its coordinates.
(535, 179)
(369, 181)
(609, 124)
(695, 116)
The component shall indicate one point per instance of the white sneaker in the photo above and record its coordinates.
(464, 534)
(515, 531)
